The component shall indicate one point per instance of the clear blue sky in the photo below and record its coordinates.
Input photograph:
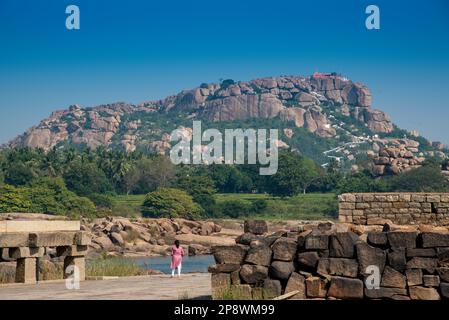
(143, 50)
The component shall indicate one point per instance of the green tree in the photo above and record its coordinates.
(427, 178)
(361, 182)
(85, 178)
(295, 175)
(170, 203)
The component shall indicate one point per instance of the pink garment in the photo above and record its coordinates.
(177, 254)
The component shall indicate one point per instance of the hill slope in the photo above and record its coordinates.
(324, 116)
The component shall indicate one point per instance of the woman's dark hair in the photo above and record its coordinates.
(177, 243)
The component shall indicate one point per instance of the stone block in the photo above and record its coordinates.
(444, 289)
(433, 198)
(26, 226)
(252, 274)
(399, 239)
(13, 240)
(271, 288)
(428, 264)
(443, 272)
(235, 276)
(342, 244)
(26, 252)
(392, 278)
(420, 252)
(384, 293)
(422, 293)
(338, 267)
(431, 280)
(52, 239)
(414, 277)
(223, 268)
(75, 251)
(241, 292)
(316, 242)
(434, 239)
(368, 255)
(316, 287)
(296, 282)
(260, 255)
(26, 270)
(220, 280)
(281, 269)
(229, 254)
(346, 206)
(308, 259)
(345, 288)
(285, 249)
(377, 239)
(82, 238)
(347, 197)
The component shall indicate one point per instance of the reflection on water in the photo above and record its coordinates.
(189, 263)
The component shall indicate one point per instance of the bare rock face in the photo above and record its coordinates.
(293, 99)
(396, 156)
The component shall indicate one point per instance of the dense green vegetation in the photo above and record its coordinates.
(103, 182)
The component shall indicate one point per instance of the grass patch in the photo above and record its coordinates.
(312, 206)
(128, 205)
(113, 267)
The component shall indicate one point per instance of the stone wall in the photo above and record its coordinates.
(399, 208)
(324, 263)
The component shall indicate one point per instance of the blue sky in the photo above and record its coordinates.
(142, 50)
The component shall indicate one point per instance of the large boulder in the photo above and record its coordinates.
(260, 255)
(281, 269)
(284, 249)
(229, 254)
(256, 226)
(117, 239)
(345, 288)
(253, 273)
(246, 238)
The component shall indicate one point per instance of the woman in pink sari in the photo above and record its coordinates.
(177, 252)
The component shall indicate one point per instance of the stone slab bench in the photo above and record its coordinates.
(26, 242)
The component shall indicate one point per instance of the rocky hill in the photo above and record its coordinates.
(324, 116)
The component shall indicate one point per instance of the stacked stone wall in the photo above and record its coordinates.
(399, 208)
(323, 263)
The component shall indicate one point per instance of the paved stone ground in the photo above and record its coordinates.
(157, 287)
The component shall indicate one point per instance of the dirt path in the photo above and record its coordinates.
(191, 286)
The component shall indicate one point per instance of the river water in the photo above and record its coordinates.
(189, 263)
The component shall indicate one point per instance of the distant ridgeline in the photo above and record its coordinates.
(324, 116)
